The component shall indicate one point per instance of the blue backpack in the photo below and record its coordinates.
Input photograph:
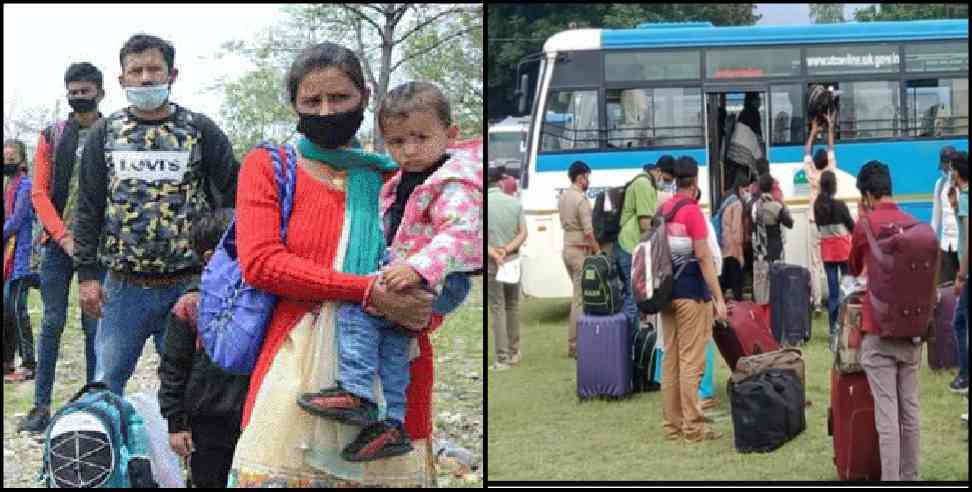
(97, 440)
(233, 315)
(717, 220)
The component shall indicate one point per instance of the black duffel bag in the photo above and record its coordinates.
(767, 410)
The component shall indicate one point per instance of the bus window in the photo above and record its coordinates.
(747, 63)
(836, 60)
(787, 118)
(869, 110)
(659, 65)
(937, 57)
(570, 121)
(654, 117)
(938, 107)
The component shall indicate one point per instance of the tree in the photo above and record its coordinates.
(457, 67)
(516, 30)
(255, 109)
(827, 13)
(378, 33)
(26, 124)
(912, 11)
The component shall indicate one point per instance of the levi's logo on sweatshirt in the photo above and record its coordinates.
(151, 166)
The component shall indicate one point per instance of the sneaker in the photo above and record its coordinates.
(338, 404)
(959, 385)
(377, 441)
(36, 421)
(498, 366)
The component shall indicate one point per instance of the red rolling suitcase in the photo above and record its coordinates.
(851, 422)
(942, 352)
(747, 333)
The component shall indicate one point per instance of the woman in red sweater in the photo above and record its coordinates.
(333, 242)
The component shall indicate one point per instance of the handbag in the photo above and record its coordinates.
(233, 315)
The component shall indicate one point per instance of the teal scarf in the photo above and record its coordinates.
(361, 207)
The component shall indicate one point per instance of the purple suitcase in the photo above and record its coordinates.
(942, 351)
(603, 356)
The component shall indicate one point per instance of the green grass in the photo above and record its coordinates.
(539, 430)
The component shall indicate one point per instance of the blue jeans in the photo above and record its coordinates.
(130, 314)
(370, 345)
(17, 333)
(961, 331)
(57, 270)
(629, 307)
(835, 271)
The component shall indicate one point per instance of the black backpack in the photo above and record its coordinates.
(601, 286)
(607, 224)
(643, 359)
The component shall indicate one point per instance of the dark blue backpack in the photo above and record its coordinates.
(717, 219)
(233, 315)
(97, 440)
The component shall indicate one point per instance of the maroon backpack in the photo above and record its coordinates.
(901, 275)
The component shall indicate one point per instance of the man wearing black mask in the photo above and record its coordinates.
(54, 196)
(148, 172)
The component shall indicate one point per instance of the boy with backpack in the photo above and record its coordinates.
(729, 231)
(896, 294)
(202, 404)
(688, 318)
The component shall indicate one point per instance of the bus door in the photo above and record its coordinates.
(723, 106)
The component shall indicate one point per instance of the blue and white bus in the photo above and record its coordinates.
(618, 99)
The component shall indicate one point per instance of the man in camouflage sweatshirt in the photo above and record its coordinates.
(147, 172)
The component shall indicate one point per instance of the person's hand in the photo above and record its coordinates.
(813, 126)
(67, 244)
(829, 116)
(411, 308)
(181, 443)
(92, 297)
(497, 254)
(187, 307)
(720, 309)
(400, 275)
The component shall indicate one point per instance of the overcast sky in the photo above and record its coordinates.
(40, 41)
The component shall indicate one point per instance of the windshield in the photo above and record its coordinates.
(505, 146)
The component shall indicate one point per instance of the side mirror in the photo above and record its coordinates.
(522, 93)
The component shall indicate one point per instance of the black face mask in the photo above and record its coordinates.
(83, 105)
(333, 130)
(10, 169)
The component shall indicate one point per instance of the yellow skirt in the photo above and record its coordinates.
(284, 446)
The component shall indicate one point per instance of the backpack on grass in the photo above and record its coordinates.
(97, 440)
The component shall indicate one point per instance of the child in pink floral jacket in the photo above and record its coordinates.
(432, 215)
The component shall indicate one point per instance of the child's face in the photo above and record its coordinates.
(417, 141)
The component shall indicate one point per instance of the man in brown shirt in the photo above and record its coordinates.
(579, 242)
